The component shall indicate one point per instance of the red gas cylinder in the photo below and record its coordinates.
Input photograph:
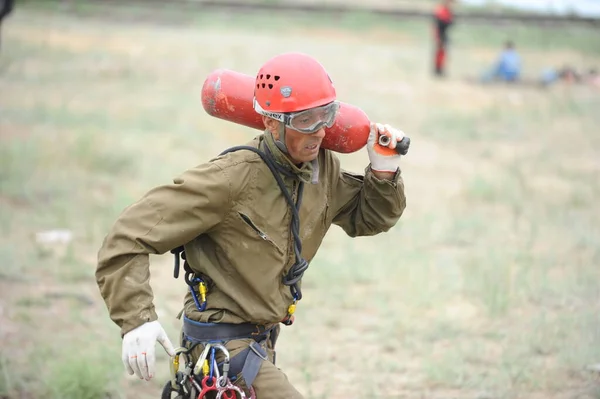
(228, 95)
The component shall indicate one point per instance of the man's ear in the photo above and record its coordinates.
(271, 125)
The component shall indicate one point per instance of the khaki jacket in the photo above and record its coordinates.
(234, 222)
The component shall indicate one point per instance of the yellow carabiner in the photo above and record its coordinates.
(292, 309)
(174, 365)
(203, 290)
(205, 367)
(202, 362)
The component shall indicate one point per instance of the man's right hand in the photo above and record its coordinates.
(384, 159)
(138, 349)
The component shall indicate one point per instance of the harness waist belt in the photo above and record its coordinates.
(204, 332)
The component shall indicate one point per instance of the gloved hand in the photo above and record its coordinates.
(384, 159)
(138, 348)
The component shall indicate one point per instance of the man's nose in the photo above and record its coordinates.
(319, 133)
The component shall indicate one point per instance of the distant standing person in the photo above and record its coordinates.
(443, 20)
(6, 7)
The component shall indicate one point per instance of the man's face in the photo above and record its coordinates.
(303, 147)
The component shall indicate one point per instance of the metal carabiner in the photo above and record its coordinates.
(202, 363)
(228, 391)
(174, 365)
(195, 386)
(226, 362)
(196, 283)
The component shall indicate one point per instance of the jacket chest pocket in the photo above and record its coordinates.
(261, 231)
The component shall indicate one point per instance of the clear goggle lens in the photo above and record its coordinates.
(311, 120)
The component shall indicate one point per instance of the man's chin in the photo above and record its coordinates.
(306, 155)
(311, 157)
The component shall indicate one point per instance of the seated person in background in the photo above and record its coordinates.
(507, 67)
(570, 75)
(565, 74)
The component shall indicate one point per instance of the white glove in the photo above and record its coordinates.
(138, 348)
(384, 159)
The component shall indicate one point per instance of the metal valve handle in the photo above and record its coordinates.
(401, 147)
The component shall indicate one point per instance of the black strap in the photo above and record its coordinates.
(177, 252)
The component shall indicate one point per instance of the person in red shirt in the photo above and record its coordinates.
(443, 20)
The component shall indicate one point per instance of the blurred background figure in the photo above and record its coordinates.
(570, 75)
(508, 66)
(566, 74)
(6, 7)
(443, 20)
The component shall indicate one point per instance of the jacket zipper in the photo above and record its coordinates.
(249, 222)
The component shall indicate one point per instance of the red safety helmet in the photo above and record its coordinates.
(292, 82)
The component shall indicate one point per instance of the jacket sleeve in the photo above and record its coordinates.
(164, 218)
(365, 205)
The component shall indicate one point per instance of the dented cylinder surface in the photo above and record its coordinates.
(228, 95)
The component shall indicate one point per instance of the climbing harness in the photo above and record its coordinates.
(199, 380)
(206, 377)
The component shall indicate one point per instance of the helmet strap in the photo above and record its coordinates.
(280, 142)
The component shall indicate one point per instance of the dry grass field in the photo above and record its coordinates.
(488, 287)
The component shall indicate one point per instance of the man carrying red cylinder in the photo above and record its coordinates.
(248, 224)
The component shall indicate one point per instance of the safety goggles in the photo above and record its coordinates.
(308, 121)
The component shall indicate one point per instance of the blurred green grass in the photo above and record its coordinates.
(488, 284)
